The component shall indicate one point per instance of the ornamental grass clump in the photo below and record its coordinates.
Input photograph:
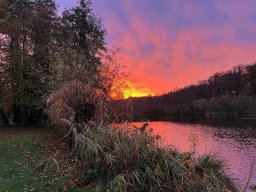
(127, 158)
(75, 103)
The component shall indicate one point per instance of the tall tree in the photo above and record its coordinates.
(39, 49)
(15, 32)
(26, 37)
(84, 34)
(43, 36)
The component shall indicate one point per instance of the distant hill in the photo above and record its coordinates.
(229, 93)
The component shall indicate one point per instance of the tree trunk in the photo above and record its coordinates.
(31, 116)
(4, 118)
(16, 115)
(25, 117)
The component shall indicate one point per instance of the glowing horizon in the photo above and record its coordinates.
(169, 44)
(124, 89)
(137, 93)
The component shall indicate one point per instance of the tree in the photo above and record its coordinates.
(85, 42)
(25, 46)
(15, 32)
(40, 50)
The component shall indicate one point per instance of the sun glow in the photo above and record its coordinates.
(127, 89)
(136, 93)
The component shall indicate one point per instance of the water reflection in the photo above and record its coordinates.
(232, 140)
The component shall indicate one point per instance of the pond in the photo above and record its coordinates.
(232, 140)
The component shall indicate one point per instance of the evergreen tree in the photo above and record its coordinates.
(84, 34)
(26, 64)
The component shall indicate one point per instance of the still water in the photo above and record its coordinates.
(232, 140)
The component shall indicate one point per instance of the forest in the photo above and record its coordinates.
(229, 93)
(42, 49)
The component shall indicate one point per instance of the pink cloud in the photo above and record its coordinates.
(165, 54)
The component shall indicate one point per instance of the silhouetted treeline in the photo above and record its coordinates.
(228, 93)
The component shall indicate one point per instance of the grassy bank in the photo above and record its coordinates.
(27, 161)
(104, 159)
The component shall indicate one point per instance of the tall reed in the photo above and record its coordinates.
(128, 159)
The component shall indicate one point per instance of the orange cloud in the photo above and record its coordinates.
(181, 43)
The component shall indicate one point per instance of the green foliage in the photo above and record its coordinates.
(24, 79)
(82, 45)
(40, 50)
(85, 32)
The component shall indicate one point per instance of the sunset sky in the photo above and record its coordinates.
(174, 43)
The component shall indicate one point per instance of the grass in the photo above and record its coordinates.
(22, 150)
(131, 159)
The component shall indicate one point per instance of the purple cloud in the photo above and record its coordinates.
(175, 43)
